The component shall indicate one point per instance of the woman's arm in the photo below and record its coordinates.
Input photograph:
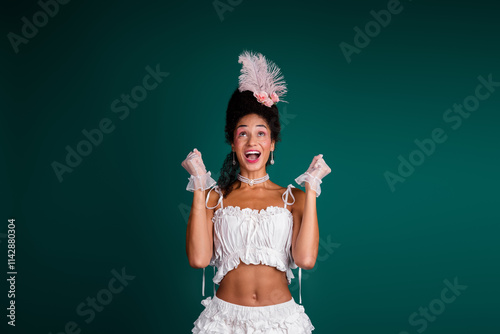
(199, 233)
(305, 238)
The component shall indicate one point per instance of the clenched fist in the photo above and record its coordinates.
(200, 178)
(317, 170)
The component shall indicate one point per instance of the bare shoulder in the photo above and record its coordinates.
(297, 192)
(300, 197)
(213, 198)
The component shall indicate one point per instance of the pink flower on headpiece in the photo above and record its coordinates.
(274, 97)
(268, 102)
(261, 96)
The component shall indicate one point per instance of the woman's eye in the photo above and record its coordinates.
(244, 133)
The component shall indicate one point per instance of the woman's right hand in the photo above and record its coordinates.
(200, 178)
(194, 163)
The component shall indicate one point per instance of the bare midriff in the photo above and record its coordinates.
(254, 285)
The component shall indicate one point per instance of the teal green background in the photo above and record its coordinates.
(384, 254)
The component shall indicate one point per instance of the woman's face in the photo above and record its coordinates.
(252, 134)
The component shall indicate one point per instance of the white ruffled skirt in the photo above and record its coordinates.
(223, 317)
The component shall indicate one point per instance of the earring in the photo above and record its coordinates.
(234, 162)
(272, 158)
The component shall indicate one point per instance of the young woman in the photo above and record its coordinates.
(248, 228)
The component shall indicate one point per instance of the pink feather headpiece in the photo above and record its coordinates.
(262, 77)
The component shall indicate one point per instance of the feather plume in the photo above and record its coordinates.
(260, 74)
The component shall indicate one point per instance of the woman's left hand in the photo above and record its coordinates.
(317, 170)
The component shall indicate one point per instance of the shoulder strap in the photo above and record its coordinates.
(220, 201)
(203, 283)
(217, 190)
(288, 191)
(300, 285)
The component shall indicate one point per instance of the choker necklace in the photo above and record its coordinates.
(251, 182)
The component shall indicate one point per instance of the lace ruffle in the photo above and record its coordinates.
(222, 318)
(202, 182)
(315, 182)
(238, 212)
(265, 256)
(251, 254)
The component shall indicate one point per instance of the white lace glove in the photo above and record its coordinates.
(200, 178)
(317, 170)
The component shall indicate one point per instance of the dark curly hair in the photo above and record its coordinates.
(240, 105)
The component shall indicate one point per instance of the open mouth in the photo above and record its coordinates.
(252, 156)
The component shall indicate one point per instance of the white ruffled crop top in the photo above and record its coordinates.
(254, 236)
